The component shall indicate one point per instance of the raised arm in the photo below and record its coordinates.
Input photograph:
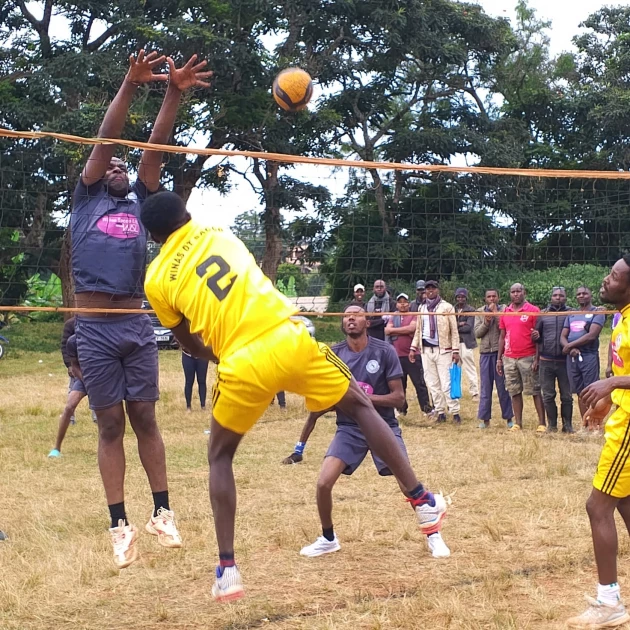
(180, 79)
(140, 71)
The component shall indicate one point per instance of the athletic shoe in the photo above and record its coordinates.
(124, 539)
(437, 546)
(441, 418)
(599, 615)
(321, 546)
(541, 428)
(3, 536)
(430, 516)
(228, 585)
(163, 526)
(294, 458)
(54, 453)
(457, 419)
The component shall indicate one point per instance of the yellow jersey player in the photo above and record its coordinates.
(611, 486)
(208, 289)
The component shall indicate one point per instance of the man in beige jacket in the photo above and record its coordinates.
(437, 340)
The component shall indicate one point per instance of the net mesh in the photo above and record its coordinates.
(326, 225)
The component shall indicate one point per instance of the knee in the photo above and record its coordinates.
(596, 510)
(110, 429)
(324, 486)
(143, 420)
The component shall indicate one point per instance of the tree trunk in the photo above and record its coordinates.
(272, 222)
(379, 195)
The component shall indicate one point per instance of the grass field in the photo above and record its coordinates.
(520, 541)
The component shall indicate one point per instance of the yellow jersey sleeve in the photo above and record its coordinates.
(167, 315)
(621, 358)
(208, 276)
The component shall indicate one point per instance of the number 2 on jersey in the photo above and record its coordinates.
(213, 280)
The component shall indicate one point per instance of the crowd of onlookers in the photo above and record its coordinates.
(537, 354)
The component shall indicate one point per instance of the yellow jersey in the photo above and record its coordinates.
(621, 358)
(208, 276)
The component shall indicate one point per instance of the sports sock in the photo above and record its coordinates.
(420, 495)
(328, 533)
(226, 560)
(116, 513)
(160, 500)
(299, 448)
(608, 594)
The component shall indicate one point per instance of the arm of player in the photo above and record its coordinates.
(140, 71)
(395, 398)
(192, 343)
(307, 429)
(599, 390)
(180, 79)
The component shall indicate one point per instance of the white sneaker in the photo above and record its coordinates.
(124, 539)
(437, 546)
(320, 547)
(163, 526)
(599, 615)
(430, 517)
(228, 585)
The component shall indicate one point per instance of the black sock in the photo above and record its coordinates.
(329, 533)
(117, 513)
(226, 560)
(160, 500)
(417, 492)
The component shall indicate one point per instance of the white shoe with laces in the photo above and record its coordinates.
(124, 539)
(321, 546)
(437, 546)
(228, 585)
(163, 526)
(599, 615)
(430, 516)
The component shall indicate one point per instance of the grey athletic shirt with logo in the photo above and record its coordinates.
(372, 368)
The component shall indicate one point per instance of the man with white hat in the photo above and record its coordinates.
(359, 293)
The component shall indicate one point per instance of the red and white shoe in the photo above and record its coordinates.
(430, 516)
(228, 585)
(163, 526)
(124, 539)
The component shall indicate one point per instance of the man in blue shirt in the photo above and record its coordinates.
(117, 354)
(580, 344)
(376, 368)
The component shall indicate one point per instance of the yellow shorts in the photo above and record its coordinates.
(284, 358)
(613, 470)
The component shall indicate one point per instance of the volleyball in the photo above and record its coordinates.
(293, 89)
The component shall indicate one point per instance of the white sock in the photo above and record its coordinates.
(608, 594)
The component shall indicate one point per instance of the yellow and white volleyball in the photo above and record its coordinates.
(293, 89)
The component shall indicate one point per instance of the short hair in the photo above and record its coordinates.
(491, 289)
(626, 259)
(163, 213)
(359, 304)
(583, 286)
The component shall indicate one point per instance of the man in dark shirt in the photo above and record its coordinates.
(380, 302)
(376, 368)
(419, 301)
(552, 364)
(117, 354)
(580, 344)
(467, 341)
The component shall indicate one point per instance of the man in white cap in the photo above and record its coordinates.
(359, 293)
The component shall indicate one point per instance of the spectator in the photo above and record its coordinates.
(521, 368)
(400, 330)
(467, 341)
(419, 301)
(488, 333)
(552, 364)
(437, 339)
(199, 368)
(359, 294)
(380, 302)
(580, 344)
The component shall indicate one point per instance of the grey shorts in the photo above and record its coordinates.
(583, 372)
(118, 359)
(350, 446)
(76, 385)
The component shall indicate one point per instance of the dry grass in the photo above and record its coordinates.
(517, 528)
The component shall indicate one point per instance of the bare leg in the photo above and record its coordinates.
(540, 408)
(332, 468)
(111, 453)
(221, 449)
(601, 512)
(150, 444)
(517, 406)
(378, 434)
(623, 507)
(74, 398)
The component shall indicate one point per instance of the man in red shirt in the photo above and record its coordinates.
(517, 356)
(399, 331)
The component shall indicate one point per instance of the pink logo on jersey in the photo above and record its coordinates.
(121, 225)
(366, 387)
(577, 326)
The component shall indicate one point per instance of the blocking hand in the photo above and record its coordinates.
(141, 69)
(189, 75)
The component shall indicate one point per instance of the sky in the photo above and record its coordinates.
(565, 16)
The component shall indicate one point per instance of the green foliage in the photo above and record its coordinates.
(28, 336)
